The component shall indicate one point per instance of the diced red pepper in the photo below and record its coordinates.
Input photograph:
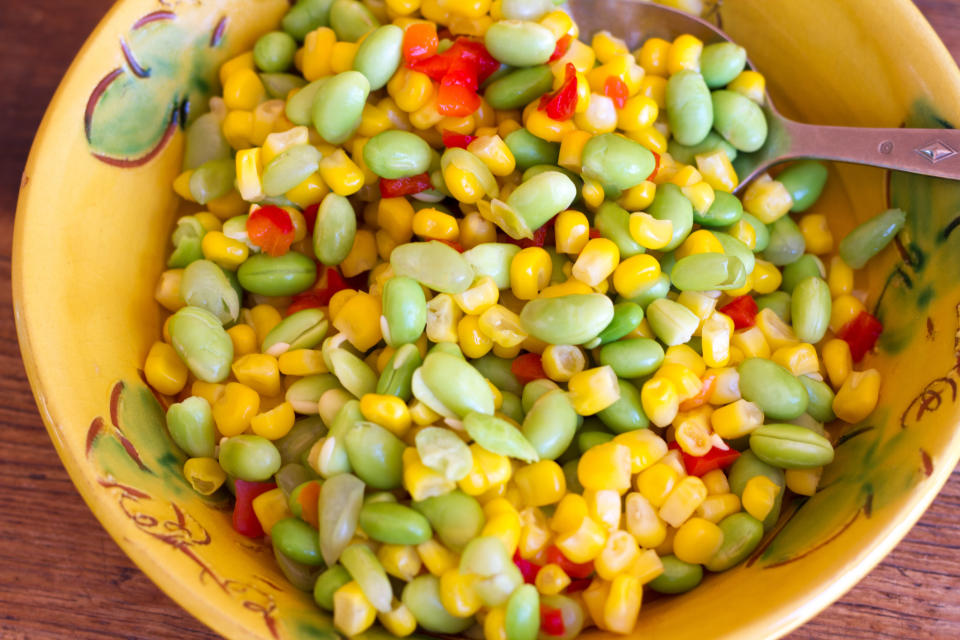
(420, 41)
(573, 569)
(528, 367)
(594, 233)
(453, 244)
(713, 459)
(528, 569)
(616, 89)
(451, 139)
(329, 281)
(244, 519)
(578, 585)
(271, 229)
(309, 500)
(456, 101)
(656, 165)
(861, 334)
(563, 44)
(551, 621)
(404, 186)
(742, 310)
(310, 217)
(435, 66)
(475, 54)
(562, 103)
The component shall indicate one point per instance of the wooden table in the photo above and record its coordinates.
(61, 576)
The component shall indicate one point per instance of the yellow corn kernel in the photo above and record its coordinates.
(505, 526)
(838, 361)
(594, 598)
(373, 120)
(164, 369)
(399, 620)
(646, 566)
(666, 547)
(685, 498)
(592, 192)
(238, 63)
(358, 143)
(352, 612)
(686, 382)
(635, 274)
(776, 331)
(433, 224)
(458, 595)
(390, 412)
(656, 483)
(759, 496)
(204, 474)
(475, 230)
(260, 372)
(226, 252)
(700, 241)
(494, 153)
(618, 555)
(649, 232)
(857, 397)
(301, 362)
(607, 46)
(488, 470)
(726, 386)
(540, 483)
(395, 216)
(572, 231)
(593, 390)
(687, 175)
(339, 300)
(543, 126)
(766, 277)
(844, 309)
(317, 49)
(599, 117)
(341, 174)
(639, 197)
(750, 84)
(243, 90)
(359, 321)
(698, 539)
(767, 199)
(436, 558)
(716, 482)
(249, 170)
(268, 117)
(502, 325)
(535, 533)
(622, 606)
(508, 125)
(717, 170)
(745, 233)
(604, 507)
(495, 624)
(597, 260)
(840, 277)
(652, 56)
(462, 184)
(443, 316)
(562, 361)
(275, 423)
(717, 507)
(482, 295)
(238, 129)
(570, 287)
(736, 419)
(209, 391)
(580, 55)
(584, 543)
(692, 431)
(683, 354)
(684, 53)
(181, 185)
(530, 271)
(742, 291)
(571, 149)
(570, 512)
(551, 580)
(403, 8)
(816, 233)
(362, 256)
(233, 411)
(473, 342)
(420, 481)
(751, 342)
(464, 125)
(799, 359)
(642, 521)
(639, 112)
(400, 560)
(311, 191)
(605, 466)
(660, 401)
(270, 508)
(559, 23)
(645, 447)
(803, 482)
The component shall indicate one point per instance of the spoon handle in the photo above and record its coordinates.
(932, 152)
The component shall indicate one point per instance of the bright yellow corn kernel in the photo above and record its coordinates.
(341, 174)
(373, 120)
(766, 277)
(687, 175)
(359, 321)
(495, 624)
(844, 309)
(599, 117)
(639, 197)
(745, 233)
(311, 191)
(607, 46)
(642, 520)
(649, 232)
(597, 260)
(535, 533)
(243, 90)
(482, 295)
(317, 49)
(572, 231)
(275, 423)
(530, 271)
(592, 192)
(562, 361)
(750, 84)
(462, 184)
(226, 252)
(803, 482)
(540, 483)
(260, 372)
(507, 125)
(164, 370)
(231, 66)
(209, 391)
(593, 390)
(635, 274)
(267, 117)
(494, 153)
(233, 411)
(686, 382)
(684, 355)
(838, 361)
(570, 287)
(700, 241)
(270, 508)
(717, 170)
(204, 474)
(840, 277)
(858, 396)
(543, 126)
(605, 466)
(571, 149)
(697, 540)
(301, 362)
(816, 233)
(584, 543)
(339, 300)
(551, 579)
(238, 129)
(684, 53)
(776, 331)
(436, 558)
(505, 526)
(399, 620)
(622, 606)
(700, 195)
(362, 256)
(475, 230)
(395, 216)
(369, 177)
(751, 342)
(685, 498)
(716, 482)
(594, 598)
(639, 112)
(618, 555)
(726, 386)
(717, 507)
(570, 511)
(402, 8)
(473, 342)
(352, 612)
(420, 481)
(652, 56)
(799, 359)
(249, 170)
(759, 496)
(645, 447)
(488, 470)
(433, 224)
(660, 400)
(692, 431)
(443, 315)
(736, 419)
(399, 560)
(458, 593)
(390, 412)
(767, 199)
(656, 483)
(502, 325)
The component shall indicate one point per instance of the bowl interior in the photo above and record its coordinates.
(91, 230)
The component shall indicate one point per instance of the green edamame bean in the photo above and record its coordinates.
(306, 16)
(364, 567)
(512, 406)
(199, 339)
(404, 311)
(786, 242)
(497, 370)
(519, 88)
(249, 457)
(338, 103)
(721, 62)
(775, 390)
(534, 390)
(304, 433)
(725, 211)
(819, 399)
(760, 230)
(190, 424)
(301, 576)
(434, 265)
(186, 251)
(739, 120)
(542, 197)
(529, 150)
(778, 302)
(870, 237)
(669, 203)
(685, 154)
(485, 556)
(212, 180)
(689, 108)
(806, 266)
(339, 511)
(327, 584)
(708, 272)
(450, 348)
(627, 316)
(616, 161)
(570, 471)
(633, 358)
(671, 322)
(523, 613)
(586, 440)
(499, 436)
(626, 414)
(380, 497)
(810, 308)
(804, 180)
(613, 223)
(297, 540)
(334, 230)
(204, 142)
(519, 43)
(657, 289)
(572, 319)
(492, 259)
(375, 455)
(205, 285)
(677, 577)
(354, 374)
(284, 275)
(396, 376)
(301, 330)
(455, 517)
(550, 424)
(379, 55)
(274, 51)
(525, 9)
(494, 591)
(397, 154)
(351, 20)
(537, 169)
(304, 394)
(290, 168)
(455, 384)
(279, 85)
(737, 249)
(741, 535)
(445, 452)
(422, 597)
(299, 109)
(789, 446)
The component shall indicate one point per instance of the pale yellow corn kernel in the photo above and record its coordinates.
(260, 372)
(656, 482)
(646, 566)
(422, 482)
(650, 232)
(226, 252)
(639, 197)
(716, 482)
(803, 482)
(751, 342)
(686, 382)
(759, 496)
(776, 331)
(475, 230)
(231, 66)
(839, 277)
(204, 474)
(579, 54)
(697, 540)
(502, 325)
(717, 170)
(311, 191)
(443, 315)
(234, 409)
(436, 558)
(535, 533)
(766, 277)
(530, 271)
(646, 448)
(562, 361)
(341, 174)
(551, 579)
(700, 241)
(718, 506)
(481, 295)
(684, 53)
(838, 361)
(686, 176)
(749, 84)
(301, 362)
(268, 117)
(844, 309)
(317, 47)
(622, 606)
(164, 370)
(700, 195)
(597, 261)
(433, 224)
(473, 342)
(726, 385)
(745, 233)
(572, 230)
(683, 354)
(494, 153)
(570, 287)
(399, 560)
(594, 598)
(660, 401)
(275, 423)
(858, 396)
(395, 216)
(583, 544)
(603, 506)
(642, 521)
(816, 233)
(249, 170)
(422, 415)
(736, 419)
(352, 612)
(652, 56)
(209, 391)
(618, 555)
(399, 620)
(767, 199)
(799, 359)
(243, 90)
(571, 149)
(181, 185)
(692, 431)
(592, 192)
(599, 117)
(362, 256)
(270, 508)
(593, 390)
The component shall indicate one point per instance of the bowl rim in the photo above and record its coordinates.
(772, 624)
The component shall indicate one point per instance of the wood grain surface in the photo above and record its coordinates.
(61, 576)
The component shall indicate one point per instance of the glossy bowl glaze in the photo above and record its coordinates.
(91, 233)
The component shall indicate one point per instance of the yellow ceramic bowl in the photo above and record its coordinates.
(91, 233)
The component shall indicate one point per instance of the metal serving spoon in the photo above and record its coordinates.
(932, 152)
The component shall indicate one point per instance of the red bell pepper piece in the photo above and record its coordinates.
(563, 44)
(271, 229)
(476, 55)
(309, 500)
(453, 244)
(713, 459)
(420, 41)
(310, 217)
(456, 101)
(404, 186)
(528, 367)
(578, 585)
(616, 89)
(861, 334)
(742, 310)
(329, 281)
(656, 165)
(594, 233)
(551, 621)
(451, 139)
(562, 103)
(528, 569)
(244, 519)
(573, 569)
